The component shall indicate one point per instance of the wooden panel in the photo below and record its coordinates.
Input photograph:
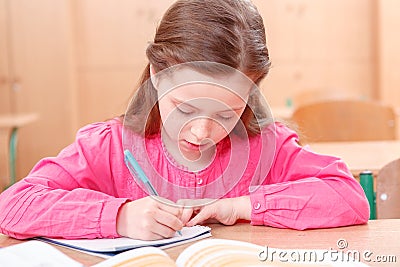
(105, 95)
(111, 52)
(389, 57)
(5, 93)
(116, 35)
(389, 43)
(4, 166)
(41, 58)
(5, 96)
(311, 47)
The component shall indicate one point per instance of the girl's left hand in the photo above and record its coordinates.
(226, 211)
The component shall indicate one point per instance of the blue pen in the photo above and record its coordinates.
(135, 168)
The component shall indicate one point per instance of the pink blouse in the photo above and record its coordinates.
(78, 193)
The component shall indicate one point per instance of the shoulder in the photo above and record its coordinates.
(277, 133)
(272, 139)
(109, 128)
(281, 129)
(99, 136)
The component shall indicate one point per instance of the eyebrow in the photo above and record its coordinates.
(181, 102)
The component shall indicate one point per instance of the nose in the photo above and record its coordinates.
(201, 128)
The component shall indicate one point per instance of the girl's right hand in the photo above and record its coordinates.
(149, 218)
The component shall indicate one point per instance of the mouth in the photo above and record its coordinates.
(194, 146)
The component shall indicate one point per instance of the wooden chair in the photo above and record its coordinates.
(345, 120)
(388, 191)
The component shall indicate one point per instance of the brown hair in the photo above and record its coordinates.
(229, 32)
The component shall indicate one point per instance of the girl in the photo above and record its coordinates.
(199, 128)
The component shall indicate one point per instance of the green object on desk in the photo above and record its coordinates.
(367, 183)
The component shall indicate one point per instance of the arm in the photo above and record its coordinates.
(85, 192)
(70, 196)
(307, 190)
(302, 190)
(226, 211)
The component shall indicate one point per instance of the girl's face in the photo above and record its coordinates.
(197, 115)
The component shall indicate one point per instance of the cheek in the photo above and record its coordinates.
(228, 125)
(219, 133)
(167, 114)
(164, 109)
(173, 123)
(173, 127)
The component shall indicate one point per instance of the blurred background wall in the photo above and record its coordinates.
(78, 61)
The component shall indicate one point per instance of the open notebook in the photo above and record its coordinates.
(209, 252)
(107, 247)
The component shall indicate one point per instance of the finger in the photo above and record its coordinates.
(170, 207)
(149, 235)
(162, 231)
(151, 230)
(200, 217)
(169, 220)
(186, 215)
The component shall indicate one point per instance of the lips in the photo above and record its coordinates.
(192, 146)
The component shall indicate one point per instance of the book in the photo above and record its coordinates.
(208, 252)
(108, 247)
(34, 254)
(229, 253)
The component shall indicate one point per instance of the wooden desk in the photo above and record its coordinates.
(378, 236)
(360, 156)
(9, 125)
(16, 120)
(381, 237)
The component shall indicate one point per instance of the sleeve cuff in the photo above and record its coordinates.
(258, 208)
(108, 217)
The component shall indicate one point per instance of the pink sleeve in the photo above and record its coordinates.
(70, 196)
(307, 190)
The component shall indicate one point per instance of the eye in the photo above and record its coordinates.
(226, 116)
(184, 109)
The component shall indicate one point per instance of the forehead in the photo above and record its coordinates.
(189, 84)
(205, 95)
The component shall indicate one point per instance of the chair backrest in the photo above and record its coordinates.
(388, 191)
(345, 120)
